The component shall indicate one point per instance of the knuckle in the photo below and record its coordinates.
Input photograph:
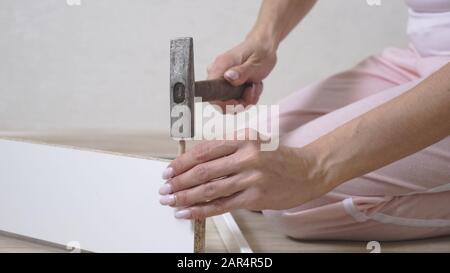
(201, 152)
(181, 199)
(218, 206)
(233, 161)
(252, 134)
(198, 213)
(252, 158)
(255, 182)
(209, 190)
(201, 172)
(254, 199)
(221, 58)
(259, 192)
(243, 203)
(256, 156)
(257, 177)
(231, 184)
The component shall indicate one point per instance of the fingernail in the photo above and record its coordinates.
(167, 173)
(183, 214)
(167, 200)
(165, 189)
(232, 75)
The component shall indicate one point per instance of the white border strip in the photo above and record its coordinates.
(231, 234)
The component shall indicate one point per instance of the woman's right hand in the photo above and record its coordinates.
(250, 61)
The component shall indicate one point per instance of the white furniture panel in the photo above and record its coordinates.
(105, 202)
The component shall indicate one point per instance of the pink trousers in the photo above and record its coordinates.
(408, 199)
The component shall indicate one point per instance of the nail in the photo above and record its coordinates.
(183, 214)
(167, 173)
(167, 200)
(165, 189)
(232, 75)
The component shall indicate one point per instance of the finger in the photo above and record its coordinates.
(249, 97)
(223, 104)
(200, 153)
(257, 89)
(246, 97)
(239, 74)
(216, 207)
(203, 173)
(207, 192)
(221, 64)
(229, 106)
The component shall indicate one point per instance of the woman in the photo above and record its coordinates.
(365, 154)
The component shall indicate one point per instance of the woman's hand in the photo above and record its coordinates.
(215, 177)
(253, 59)
(250, 61)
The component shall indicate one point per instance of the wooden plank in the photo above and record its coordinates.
(105, 202)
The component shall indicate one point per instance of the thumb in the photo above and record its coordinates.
(240, 74)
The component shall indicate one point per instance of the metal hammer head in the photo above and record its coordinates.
(182, 88)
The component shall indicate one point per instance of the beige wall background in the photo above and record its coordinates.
(105, 63)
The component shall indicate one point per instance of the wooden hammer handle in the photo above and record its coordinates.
(219, 90)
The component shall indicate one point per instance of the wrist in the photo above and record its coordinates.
(264, 36)
(316, 172)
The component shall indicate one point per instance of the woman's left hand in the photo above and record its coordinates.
(215, 177)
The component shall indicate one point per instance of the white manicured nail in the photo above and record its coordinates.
(167, 173)
(167, 200)
(232, 75)
(183, 214)
(165, 189)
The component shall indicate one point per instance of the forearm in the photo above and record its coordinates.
(278, 17)
(396, 129)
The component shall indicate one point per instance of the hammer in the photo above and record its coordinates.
(183, 90)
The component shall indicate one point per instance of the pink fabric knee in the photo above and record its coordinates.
(404, 200)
